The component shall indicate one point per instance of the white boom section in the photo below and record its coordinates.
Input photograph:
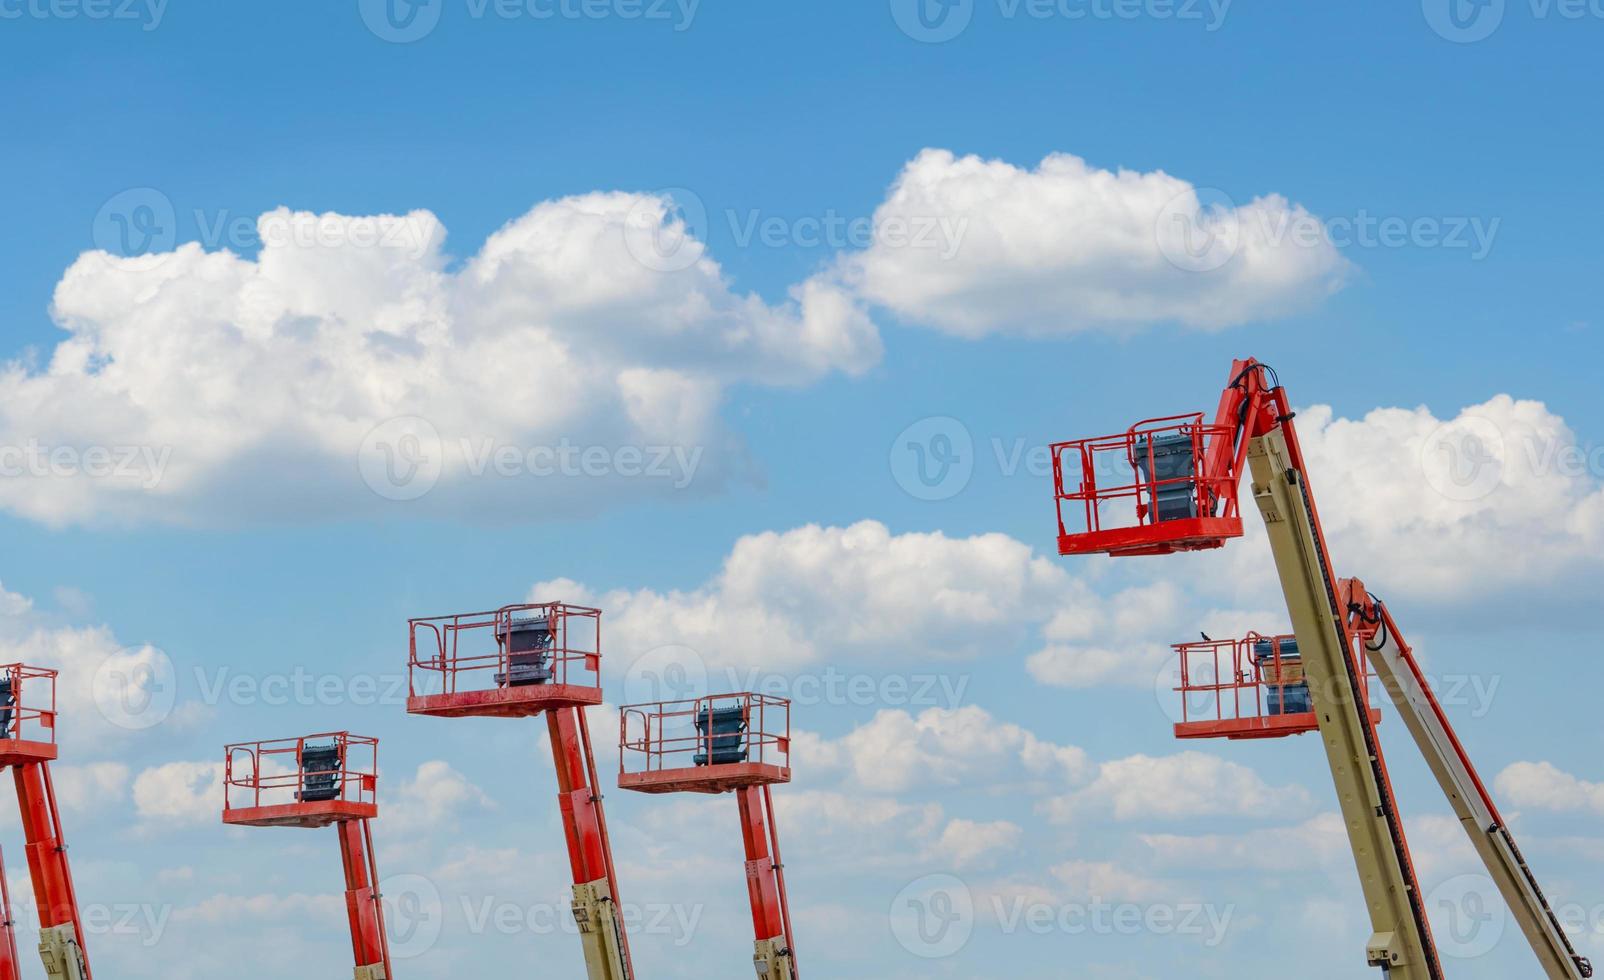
(1422, 714)
(1401, 943)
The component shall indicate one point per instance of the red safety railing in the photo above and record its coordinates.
(1147, 490)
(478, 651)
(1254, 687)
(27, 704)
(267, 774)
(664, 736)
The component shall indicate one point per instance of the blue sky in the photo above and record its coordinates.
(1449, 179)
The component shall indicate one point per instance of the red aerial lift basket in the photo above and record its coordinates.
(514, 662)
(27, 715)
(705, 745)
(1248, 689)
(307, 782)
(1164, 485)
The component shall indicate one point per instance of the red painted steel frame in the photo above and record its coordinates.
(370, 943)
(263, 782)
(661, 757)
(590, 848)
(468, 688)
(1234, 684)
(444, 655)
(260, 790)
(1083, 528)
(765, 870)
(31, 734)
(657, 754)
(1251, 408)
(10, 966)
(27, 747)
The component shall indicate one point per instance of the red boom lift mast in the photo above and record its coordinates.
(523, 661)
(27, 747)
(311, 783)
(1185, 480)
(728, 743)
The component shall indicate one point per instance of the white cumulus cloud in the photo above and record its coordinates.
(198, 386)
(975, 247)
(1545, 786)
(1184, 786)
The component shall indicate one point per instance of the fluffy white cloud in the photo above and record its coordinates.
(1500, 496)
(975, 246)
(1184, 786)
(266, 388)
(98, 785)
(897, 752)
(1318, 844)
(1103, 881)
(1545, 786)
(106, 693)
(230, 910)
(180, 793)
(855, 593)
(433, 799)
(967, 843)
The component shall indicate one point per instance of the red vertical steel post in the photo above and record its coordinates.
(361, 896)
(59, 917)
(10, 966)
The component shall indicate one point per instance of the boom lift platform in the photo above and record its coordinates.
(523, 661)
(320, 781)
(1171, 485)
(27, 747)
(728, 743)
(1252, 688)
